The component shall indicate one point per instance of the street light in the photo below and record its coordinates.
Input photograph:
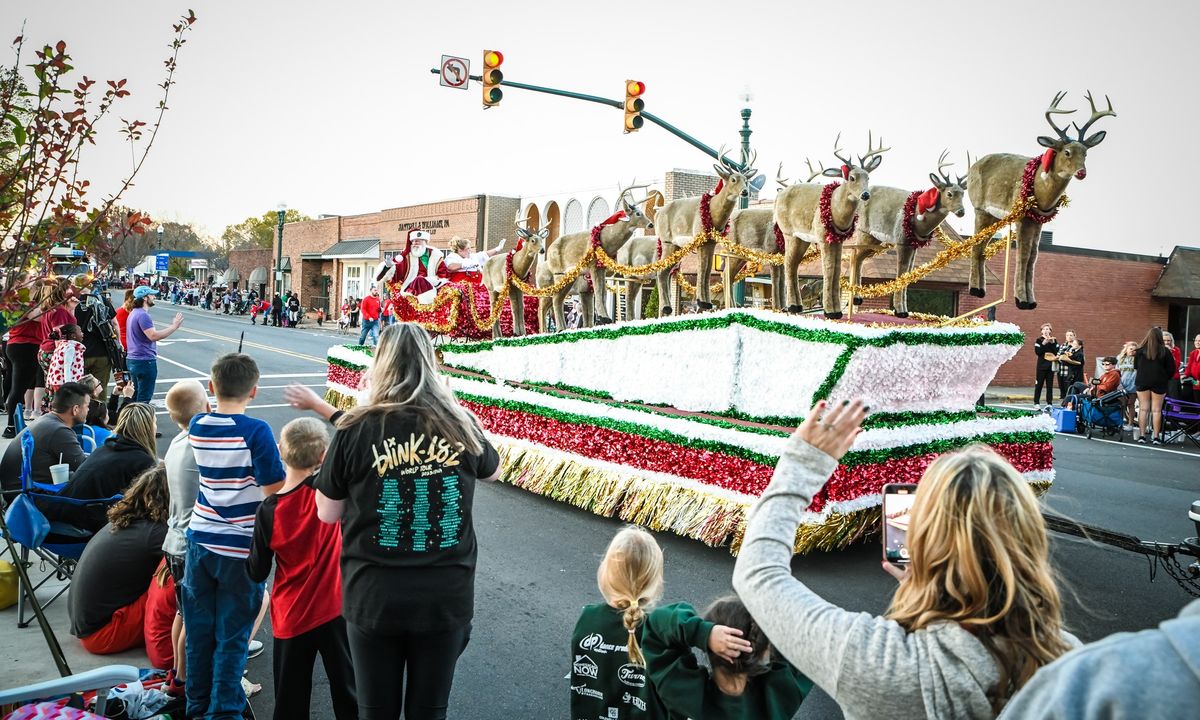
(282, 210)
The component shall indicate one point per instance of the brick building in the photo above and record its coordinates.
(250, 269)
(332, 258)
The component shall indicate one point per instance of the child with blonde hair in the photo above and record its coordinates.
(608, 675)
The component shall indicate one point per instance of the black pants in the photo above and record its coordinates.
(1045, 376)
(22, 359)
(275, 318)
(294, 658)
(1064, 384)
(382, 663)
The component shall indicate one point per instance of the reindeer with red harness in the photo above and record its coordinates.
(997, 182)
(907, 220)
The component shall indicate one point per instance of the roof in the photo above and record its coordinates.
(1181, 277)
(354, 249)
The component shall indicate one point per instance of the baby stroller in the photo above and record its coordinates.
(1104, 414)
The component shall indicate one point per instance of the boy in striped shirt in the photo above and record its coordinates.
(238, 463)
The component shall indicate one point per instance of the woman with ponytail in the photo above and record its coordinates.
(607, 668)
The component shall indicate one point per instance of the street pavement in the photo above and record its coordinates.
(538, 558)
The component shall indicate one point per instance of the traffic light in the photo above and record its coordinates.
(492, 94)
(634, 105)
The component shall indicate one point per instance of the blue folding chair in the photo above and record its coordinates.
(58, 544)
(19, 417)
(101, 679)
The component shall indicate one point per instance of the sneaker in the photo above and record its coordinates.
(1156, 441)
(255, 649)
(9, 433)
(1142, 440)
(250, 688)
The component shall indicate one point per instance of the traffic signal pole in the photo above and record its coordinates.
(620, 105)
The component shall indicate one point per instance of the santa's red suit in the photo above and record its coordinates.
(413, 271)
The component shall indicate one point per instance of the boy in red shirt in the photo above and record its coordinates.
(306, 599)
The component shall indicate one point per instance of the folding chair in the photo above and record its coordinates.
(19, 417)
(1184, 420)
(101, 680)
(87, 439)
(57, 544)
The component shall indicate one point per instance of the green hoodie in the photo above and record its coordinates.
(605, 685)
(675, 643)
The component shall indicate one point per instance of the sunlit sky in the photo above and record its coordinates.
(331, 108)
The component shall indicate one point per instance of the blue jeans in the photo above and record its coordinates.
(144, 374)
(220, 602)
(372, 327)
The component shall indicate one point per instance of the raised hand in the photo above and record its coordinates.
(832, 429)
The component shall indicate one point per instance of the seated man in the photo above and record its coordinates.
(1109, 381)
(54, 439)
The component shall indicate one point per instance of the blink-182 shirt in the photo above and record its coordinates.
(408, 543)
(605, 685)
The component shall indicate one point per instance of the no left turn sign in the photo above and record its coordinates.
(455, 72)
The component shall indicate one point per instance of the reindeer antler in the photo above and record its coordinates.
(943, 164)
(626, 190)
(749, 170)
(520, 225)
(779, 178)
(961, 180)
(812, 173)
(1096, 115)
(872, 151)
(1053, 110)
(837, 152)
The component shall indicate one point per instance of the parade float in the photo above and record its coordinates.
(676, 423)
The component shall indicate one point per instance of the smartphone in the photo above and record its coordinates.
(897, 506)
(120, 376)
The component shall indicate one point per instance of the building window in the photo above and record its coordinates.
(597, 212)
(934, 302)
(573, 217)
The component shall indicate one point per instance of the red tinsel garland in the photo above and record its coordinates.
(779, 244)
(910, 233)
(719, 469)
(1031, 210)
(345, 376)
(596, 236)
(706, 221)
(832, 234)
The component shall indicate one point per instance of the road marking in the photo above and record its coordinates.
(260, 377)
(250, 343)
(182, 340)
(1132, 443)
(248, 407)
(185, 367)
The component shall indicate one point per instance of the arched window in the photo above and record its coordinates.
(573, 217)
(597, 211)
(554, 219)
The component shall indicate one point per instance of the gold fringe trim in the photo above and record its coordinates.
(685, 511)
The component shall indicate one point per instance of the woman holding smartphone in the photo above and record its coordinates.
(977, 611)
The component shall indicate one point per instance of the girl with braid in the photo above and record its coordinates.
(608, 675)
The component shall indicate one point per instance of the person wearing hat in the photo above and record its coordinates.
(143, 338)
(414, 271)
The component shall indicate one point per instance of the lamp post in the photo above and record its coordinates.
(160, 237)
(282, 211)
(739, 288)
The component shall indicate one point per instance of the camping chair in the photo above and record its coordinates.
(57, 544)
(19, 417)
(1184, 419)
(101, 680)
(87, 439)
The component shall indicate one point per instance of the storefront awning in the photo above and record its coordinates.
(1180, 279)
(232, 275)
(258, 276)
(285, 265)
(353, 250)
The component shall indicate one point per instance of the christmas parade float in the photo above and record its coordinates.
(676, 423)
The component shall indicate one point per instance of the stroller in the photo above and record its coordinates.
(1104, 414)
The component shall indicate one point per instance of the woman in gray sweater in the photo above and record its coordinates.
(975, 615)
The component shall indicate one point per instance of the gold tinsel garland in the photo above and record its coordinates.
(954, 251)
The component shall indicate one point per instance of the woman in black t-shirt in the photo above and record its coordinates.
(1154, 365)
(400, 476)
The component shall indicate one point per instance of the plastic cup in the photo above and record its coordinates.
(60, 473)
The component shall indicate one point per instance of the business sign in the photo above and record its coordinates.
(199, 264)
(162, 262)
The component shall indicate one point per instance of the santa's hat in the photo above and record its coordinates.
(418, 235)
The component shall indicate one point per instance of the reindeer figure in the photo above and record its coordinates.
(809, 213)
(997, 181)
(495, 273)
(907, 220)
(566, 252)
(754, 228)
(680, 221)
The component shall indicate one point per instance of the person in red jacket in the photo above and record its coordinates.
(370, 317)
(1173, 385)
(1191, 373)
(306, 599)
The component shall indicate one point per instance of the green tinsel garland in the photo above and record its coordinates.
(852, 458)
(715, 323)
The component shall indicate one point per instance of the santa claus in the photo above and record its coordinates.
(414, 270)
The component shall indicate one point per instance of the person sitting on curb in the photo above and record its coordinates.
(107, 599)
